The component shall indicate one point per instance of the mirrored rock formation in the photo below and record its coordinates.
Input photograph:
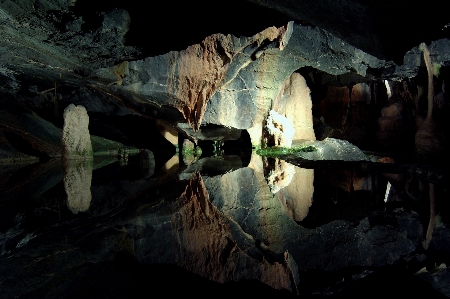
(279, 174)
(77, 176)
(147, 163)
(192, 233)
(297, 196)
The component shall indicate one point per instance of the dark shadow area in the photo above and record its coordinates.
(23, 145)
(132, 130)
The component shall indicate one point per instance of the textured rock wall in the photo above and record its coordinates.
(76, 140)
(188, 79)
(234, 82)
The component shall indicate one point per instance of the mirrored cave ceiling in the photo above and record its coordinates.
(125, 58)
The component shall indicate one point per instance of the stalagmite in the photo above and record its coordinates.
(427, 136)
(76, 141)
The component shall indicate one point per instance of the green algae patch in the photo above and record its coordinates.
(275, 151)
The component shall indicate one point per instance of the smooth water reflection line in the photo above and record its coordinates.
(77, 176)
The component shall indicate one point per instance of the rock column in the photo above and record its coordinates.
(76, 141)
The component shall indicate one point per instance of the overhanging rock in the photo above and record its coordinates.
(234, 82)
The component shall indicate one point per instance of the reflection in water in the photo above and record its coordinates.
(147, 163)
(215, 218)
(192, 233)
(280, 175)
(77, 176)
(292, 185)
(169, 168)
(296, 197)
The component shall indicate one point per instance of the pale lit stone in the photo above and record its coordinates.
(76, 141)
(297, 196)
(280, 129)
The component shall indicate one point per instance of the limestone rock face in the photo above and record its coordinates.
(76, 140)
(333, 149)
(188, 79)
(167, 131)
(393, 126)
(19, 122)
(234, 82)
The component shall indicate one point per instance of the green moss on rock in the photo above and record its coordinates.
(279, 151)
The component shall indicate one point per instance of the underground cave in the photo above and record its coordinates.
(252, 148)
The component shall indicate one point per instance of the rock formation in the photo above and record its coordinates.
(147, 163)
(427, 136)
(297, 197)
(210, 75)
(278, 130)
(76, 140)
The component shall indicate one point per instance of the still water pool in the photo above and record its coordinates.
(115, 228)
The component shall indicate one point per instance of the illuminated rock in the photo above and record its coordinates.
(167, 131)
(197, 236)
(279, 130)
(76, 141)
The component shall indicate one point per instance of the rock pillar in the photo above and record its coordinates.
(76, 141)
